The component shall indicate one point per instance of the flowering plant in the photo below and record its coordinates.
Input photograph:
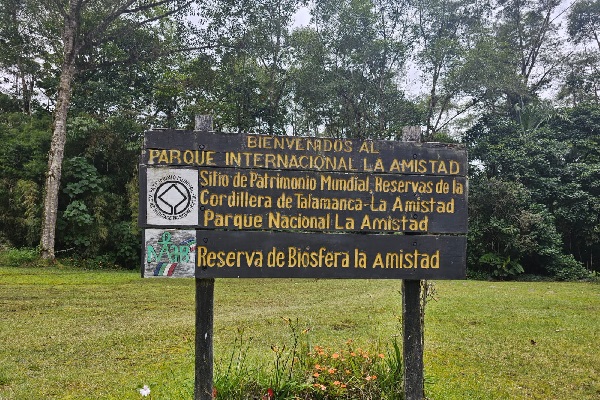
(349, 373)
(145, 391)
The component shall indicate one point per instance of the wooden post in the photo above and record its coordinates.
(411, 134)
(203, 384)
(203, 123)
(412, 340)
(412, 328)
(205, 289)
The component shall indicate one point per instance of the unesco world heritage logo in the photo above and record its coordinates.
(172, 197)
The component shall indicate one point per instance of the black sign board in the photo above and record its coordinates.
(340, 202)
(296, 255)
(253, 194)
(201, 149)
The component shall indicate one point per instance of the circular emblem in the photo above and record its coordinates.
(171, 197)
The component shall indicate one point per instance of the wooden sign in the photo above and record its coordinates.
(296, 255)
(330, 202)
(203, 149)
(262, 195)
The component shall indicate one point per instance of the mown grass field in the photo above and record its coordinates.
(70, 334)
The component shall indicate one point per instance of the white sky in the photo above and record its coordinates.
(302, 17)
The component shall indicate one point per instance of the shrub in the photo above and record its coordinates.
(19, 257)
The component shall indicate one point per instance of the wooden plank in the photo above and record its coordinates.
(317, 201)
(241, 254)
(203, 370)
(412, 319)
(236, 199)
(203, 149)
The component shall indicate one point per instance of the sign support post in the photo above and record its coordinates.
(412, 339)
(205, 288)
(412, 324)
(203, 381)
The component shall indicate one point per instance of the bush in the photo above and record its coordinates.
(566, 268)
(510, 234)
(19, 257)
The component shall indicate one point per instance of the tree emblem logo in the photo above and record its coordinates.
(172, 197)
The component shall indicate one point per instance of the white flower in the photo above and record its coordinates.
(145, 391)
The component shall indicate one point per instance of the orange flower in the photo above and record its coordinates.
(335, 355)
(317, 367)
(381, 356)
(336, 383)
(331, 370)
(316, 374)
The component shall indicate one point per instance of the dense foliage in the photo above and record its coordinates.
(500, 76)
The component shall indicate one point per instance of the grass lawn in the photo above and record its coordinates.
(69, 334)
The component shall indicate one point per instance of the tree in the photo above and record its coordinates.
(524, 191)
(85, 25)
(577, 209)
(582, 79)
(584, 22)
(244, 68)
(446, 30)
(347, 67)
(527, 30)
(582, 82)
(20, 49)
(23, 156)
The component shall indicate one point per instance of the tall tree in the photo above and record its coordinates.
(250, 56)
(582, 82)
(584, 22)
(447, 31)
(84, 25)
(21, 48)
(527, 29)
(347, 68)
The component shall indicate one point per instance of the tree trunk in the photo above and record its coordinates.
(59, 137)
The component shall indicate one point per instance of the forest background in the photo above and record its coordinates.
(516, 81)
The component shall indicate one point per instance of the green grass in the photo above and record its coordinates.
(69, 334)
